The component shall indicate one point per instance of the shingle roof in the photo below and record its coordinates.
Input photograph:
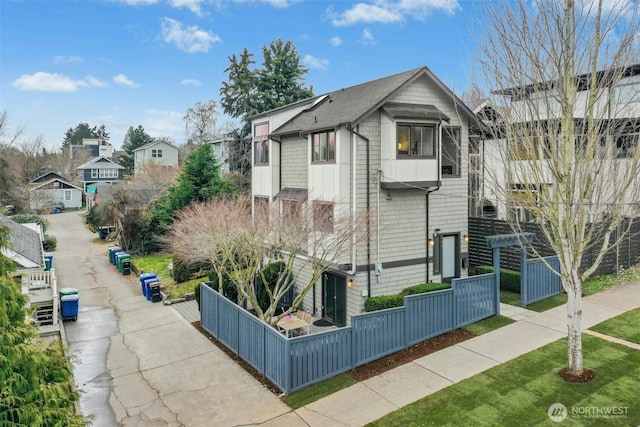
(349, 105)
(101, 163)
(24, 241)
(152, 143)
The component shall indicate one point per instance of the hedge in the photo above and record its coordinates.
(509, 279)
(383, 302)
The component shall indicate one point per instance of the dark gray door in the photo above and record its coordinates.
(334, 304)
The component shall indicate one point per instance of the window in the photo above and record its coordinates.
(626, 145)
(323, 216)
(108, 173)
(94, 173)
(156, 153)
(67, 195)
(450, 152)
(261, 144)
(416, 141)
(323, 147)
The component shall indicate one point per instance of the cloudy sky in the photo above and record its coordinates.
(126, 63)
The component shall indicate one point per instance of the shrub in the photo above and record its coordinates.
(383, 302)
(49, 243)
(229, 286)
(425, 287)
(29, 218)
(509, 279)
(271, 274)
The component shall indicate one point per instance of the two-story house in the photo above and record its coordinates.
(160, 152)
(51, 188)
(395, 148)
(100, 170)
(502, 158)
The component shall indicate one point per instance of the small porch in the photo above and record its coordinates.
(42, 289)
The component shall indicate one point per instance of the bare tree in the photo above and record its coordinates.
(156, 178)
(200, 121)
(224, 233)
(569, 155)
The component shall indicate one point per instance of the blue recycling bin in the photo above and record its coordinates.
(116, 255)
(145, 276)
(48, 261)
(147, 287)
(69, 305)
(112, 252)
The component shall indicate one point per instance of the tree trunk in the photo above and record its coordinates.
(574, 321)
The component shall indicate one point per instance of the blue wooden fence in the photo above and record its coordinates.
(293, 363)
(537, 281)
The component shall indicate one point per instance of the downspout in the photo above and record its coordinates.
(354, 211)
(429, 191)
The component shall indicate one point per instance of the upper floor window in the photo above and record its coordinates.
(261, 144)
(323, 148)
(156, 153)
(450, 152)
(626, 145)
(108, 173)
(94, 173)
(416, 140)
(323, 216)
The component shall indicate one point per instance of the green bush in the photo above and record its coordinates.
(383, 302)
(425, 287)
(30, 218)
(229, 286)
(49, 243)
(271, 274)
(509, 279)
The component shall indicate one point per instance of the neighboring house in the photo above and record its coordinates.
(44, 194)
(397, 147)
(501, 197)
(220, 146)
(100, 170)
(160, 152)
(47, 177)
(25, 250)
(94, 147)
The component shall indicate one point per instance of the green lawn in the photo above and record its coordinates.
(318, 391)
(626, 326)
(158, 264)
(512, 298)
(519, 392)
(487, 325)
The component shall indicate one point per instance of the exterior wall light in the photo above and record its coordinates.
(350, 283)
(465, 238)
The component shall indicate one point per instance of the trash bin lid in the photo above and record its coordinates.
(67, 291)
(74, 297)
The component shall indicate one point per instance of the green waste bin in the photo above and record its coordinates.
(121, 258)
(67, 291)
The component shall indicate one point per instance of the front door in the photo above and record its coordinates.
(450, 257)
(334, 300)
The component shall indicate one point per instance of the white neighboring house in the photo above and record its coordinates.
(161, 152)
(397, 147)
(621, 104)
(45, 194)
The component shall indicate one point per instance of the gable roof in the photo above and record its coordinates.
(350, 105)
(25, 246)
(101, 163)
(68, 184)
(152, 143)
(47, 177)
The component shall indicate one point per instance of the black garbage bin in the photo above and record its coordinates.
(154, 290)
(126, 267)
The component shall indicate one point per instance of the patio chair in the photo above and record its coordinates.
(309, 320)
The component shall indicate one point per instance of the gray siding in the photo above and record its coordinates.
(294, 166)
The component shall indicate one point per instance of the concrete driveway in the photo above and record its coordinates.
(138, 363)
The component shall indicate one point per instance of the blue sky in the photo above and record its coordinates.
(126, 63)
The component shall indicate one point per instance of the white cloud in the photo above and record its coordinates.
(192, 5)
(191, 82)
(274, 3)
(314, 62)
(367, 37)
(160, 123)
(123, 80)
(335, 41)
(390, 12)
(139, 2)
(191, 39)
(59, 59)
(51, 82)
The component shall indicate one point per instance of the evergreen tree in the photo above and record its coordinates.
(74, 136)
(35, 378)
(135, 138)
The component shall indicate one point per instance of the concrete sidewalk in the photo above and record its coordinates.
(376, 397)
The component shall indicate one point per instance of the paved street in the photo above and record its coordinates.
(137, 363)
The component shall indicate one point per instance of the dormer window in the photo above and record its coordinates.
(323, 147)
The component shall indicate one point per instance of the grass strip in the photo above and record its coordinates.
(520, 392)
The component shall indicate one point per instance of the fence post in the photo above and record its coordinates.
(496, 271)
(287, 367)
(524, 279)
